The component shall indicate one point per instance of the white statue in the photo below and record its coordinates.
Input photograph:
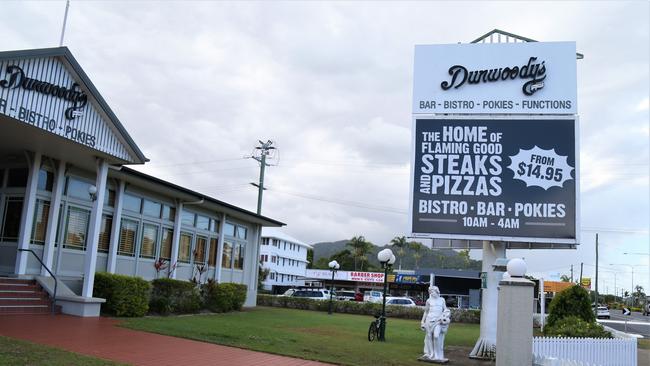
(435, 322)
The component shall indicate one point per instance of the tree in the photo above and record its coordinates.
(400, 243)
(360, 247)
(574, 301)
(262, 274)
(416, 247)
(464, 255)
(310, 258)
(638, 296)
(565, 278)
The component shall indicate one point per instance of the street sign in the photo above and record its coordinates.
(626, 311)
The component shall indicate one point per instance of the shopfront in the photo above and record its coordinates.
(66, 193)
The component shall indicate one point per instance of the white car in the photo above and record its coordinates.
(400, 301)
(373, 296)
(602, 312)
(316, 294)
(345, 295)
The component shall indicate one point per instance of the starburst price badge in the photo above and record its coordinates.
(540, 168)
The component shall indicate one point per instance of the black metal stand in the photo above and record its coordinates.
(329, 311)
(382, 319)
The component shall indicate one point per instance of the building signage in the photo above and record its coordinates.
(404, 278)
(490, 178)
(512, 78)
(41, 92)
(15, 77)
(373, 277)
(585, 282)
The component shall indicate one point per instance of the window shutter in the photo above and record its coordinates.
(128, 234)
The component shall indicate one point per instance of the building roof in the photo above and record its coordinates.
(196, 196)
(64, 54)
(271, 232)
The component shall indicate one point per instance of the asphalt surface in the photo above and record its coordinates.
(636, 322)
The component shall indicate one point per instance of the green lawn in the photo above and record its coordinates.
(15, 352)
(338, 338)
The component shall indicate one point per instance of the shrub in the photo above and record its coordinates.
(174, 296)
(224, 297)
(573, 326)
(574, 301)
(362, 308)
(125, 295)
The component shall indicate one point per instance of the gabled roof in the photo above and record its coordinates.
(64, 54)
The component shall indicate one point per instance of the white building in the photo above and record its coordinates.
(70, 206)
(285, 257)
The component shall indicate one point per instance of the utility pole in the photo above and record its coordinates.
(581, 264)
(260, 153)
(572, 273)
(596, 309)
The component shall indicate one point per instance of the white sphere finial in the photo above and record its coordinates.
(516, 267)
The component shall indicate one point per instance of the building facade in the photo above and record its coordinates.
(67, 195)
(285, 258)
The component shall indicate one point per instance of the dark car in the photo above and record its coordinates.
(418, 302)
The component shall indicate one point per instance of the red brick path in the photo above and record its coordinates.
(100, 337)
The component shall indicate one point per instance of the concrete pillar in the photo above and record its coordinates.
(217, 272)
(94, 226)
(53, 218)
(27, 216)
(485, 347)
(515, 322)
(173, 261)
(115, 228)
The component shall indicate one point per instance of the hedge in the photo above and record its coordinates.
(573, 326)
(125, 295)
(223, 297)
(362, 308)
(174, 296)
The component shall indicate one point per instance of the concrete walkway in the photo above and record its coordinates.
(100, 337)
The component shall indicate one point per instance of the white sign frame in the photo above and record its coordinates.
(517, 239)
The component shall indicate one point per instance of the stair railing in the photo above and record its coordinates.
(56, 282)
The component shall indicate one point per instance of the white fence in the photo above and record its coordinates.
(587, 351)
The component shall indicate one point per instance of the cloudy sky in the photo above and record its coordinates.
(197, 84)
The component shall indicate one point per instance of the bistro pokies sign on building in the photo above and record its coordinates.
(496, 175)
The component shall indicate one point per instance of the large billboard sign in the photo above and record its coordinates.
(486, 78)
(495, 178)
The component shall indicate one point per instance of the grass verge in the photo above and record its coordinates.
(643, 343)
(15, 352)
(338, 338)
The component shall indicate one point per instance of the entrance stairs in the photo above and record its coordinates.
(20, 296)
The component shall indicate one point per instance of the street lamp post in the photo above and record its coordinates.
(387, 259)
(334, 266)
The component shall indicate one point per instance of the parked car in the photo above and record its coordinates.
(315, 294)
(418, 302)
(602, 312)
(289, 292)
(400, 301)
(345, 295)
(373, 296)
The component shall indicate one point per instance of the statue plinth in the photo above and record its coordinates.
(426, 359)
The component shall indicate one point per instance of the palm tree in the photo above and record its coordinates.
(360, 247)
(416, 247)
(401, 243)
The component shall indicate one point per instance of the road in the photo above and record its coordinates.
(637, 323)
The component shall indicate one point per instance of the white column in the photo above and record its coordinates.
(173, 261)
(27, 216)
(95, 225)
(53, 218)
(115, 228)
(217, 273)
(515, 319)
(487, 342)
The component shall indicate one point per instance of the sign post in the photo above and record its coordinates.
(494, 154)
